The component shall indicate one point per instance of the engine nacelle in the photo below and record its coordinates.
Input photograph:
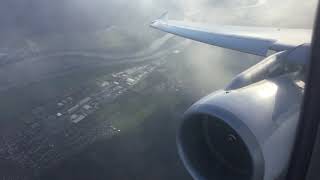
(243, 134)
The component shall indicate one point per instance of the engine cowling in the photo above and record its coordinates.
(243, 134)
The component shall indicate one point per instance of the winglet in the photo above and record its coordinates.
(164, 16)
(163, 19)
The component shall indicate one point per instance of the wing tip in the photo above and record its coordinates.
(163, 18)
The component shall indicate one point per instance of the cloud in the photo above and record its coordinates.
(51, 17)
(285, 13)
(213, 67)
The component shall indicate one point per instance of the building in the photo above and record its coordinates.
(78, 119)
(85, 100)
(74, 108)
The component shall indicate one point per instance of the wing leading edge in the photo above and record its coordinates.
(252, 40)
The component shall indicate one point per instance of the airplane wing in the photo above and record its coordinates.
(252, 40)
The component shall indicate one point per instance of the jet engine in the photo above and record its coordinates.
(242, 134)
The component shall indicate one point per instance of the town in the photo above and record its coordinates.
(60, 128)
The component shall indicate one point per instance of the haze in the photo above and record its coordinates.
(88, 86)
